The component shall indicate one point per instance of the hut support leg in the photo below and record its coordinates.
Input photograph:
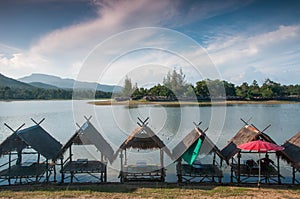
(121, 172)
(179, 170)
(61, 170)
(214, 163)
(105, 173)
(162, 178)
(38, 162)
(9, 168)
(239, 166)
(231, 170)
(70, 154)
(47, 171)
(54, 171)
(294, 175)
(278, 169)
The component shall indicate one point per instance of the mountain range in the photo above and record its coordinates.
(44, 81)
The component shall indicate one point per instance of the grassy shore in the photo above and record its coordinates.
(185, 103)
(148, 191)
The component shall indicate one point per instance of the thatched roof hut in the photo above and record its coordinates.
(246, 134)
(291, 152)
(12, 143)
(207, 145)
(144, 138)
(193, 144)
(89, 135)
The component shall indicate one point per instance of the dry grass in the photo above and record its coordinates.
(145, 191)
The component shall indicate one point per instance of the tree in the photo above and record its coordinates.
(128, 89)
(176, 82)
(242, 91)
(201, 89)
(254, 90)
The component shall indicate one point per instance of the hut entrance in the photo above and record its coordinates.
(87, 136)
(186, 152)
(142, 138)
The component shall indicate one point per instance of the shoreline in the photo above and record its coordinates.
(186, 103)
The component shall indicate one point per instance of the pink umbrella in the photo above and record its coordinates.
(261, 147)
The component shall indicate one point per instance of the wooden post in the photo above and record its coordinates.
(70, 154)
(38, 164)
(162, 165)
(239, 166)
(214, 164)
(121, 172)
(105, 173)
(294, 175)
(61, 169)
(278, 169)
(47, 171)
(125, 156)
(9, 168)
(54, 171)
(179, 170)
(231, 170)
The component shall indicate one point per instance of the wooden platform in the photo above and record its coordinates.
(143, 173)
(29, 173)
(90, 167)
(202, 172)
(268, 173)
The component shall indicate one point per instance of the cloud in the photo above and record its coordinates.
(238, 58)
(62, 51)
(269, 53)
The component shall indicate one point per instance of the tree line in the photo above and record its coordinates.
(8, 93)
(175, 86)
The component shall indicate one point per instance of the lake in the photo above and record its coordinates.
(171, 124)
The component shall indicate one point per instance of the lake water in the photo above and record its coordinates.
(171, 124)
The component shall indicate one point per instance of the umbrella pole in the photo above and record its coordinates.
(259, 169)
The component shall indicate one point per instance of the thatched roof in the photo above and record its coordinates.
(144, 138)
(89, 135)
(207, 145)
(73, 140)
(291, 152)
(41, 141)
(12, 143)
(246, 134)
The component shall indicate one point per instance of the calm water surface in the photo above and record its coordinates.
(170, 123)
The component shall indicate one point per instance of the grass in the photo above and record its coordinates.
(147, 191)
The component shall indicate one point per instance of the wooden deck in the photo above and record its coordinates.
(268, 173)
(90, 167)
(143, 173)
(199, 172)
(29, 173)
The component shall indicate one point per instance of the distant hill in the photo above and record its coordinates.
(67, 83)
(42, 85)
(12, 83)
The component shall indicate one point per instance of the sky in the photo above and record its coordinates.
(104, 41)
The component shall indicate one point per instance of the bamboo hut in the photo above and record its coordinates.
(39, 144)
(196, 143)
(291, 155)
(242, 172)
(86, 135)
(142, 138)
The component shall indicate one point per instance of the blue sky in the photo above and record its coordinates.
(245, 40)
